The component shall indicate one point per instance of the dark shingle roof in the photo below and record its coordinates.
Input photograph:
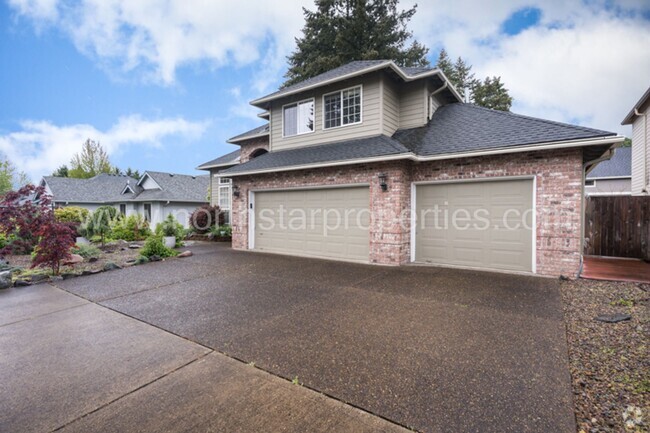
(638, 106)
(231, 158)
(620, 165)
(376, 146)
(98, 189)
(176, 187)
(349, 68)
(255, 132)
(459, 127)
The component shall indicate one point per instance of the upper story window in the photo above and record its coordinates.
(342, 108)
(225, 180)
(298, 118)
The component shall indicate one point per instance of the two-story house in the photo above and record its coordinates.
(638, 118)
(376, 163)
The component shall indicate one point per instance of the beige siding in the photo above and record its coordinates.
(370, 115)
(214, 188)
(390, 106)
(638, 145)
(413, 104)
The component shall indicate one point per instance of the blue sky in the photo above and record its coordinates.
(163, 85)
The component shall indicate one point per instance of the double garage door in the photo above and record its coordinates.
(485, 224)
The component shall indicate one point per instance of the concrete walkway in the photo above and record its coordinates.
(66, 363)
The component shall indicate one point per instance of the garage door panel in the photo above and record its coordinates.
(320, 230)
(488, 239)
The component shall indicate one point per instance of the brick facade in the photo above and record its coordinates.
(558, 177)
(250, 146)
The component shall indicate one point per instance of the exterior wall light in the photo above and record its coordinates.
(382, 182)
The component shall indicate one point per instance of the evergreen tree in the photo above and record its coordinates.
(91, 161)
(62, 171)
(132, 173)
(491, 93)
(446, 66)
(341, 31)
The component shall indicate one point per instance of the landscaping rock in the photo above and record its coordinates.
(38, 277)
(111, 266)
(130, 261)
(187, 253)
(155, 258)
(134, 246)
(5, 280)
(68, 275)
(613, 318)
(54, 278)
(22, 283)
(73, 260)
(92, 260)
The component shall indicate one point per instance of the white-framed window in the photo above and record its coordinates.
(123, 209)
(225, 180)
(225, 200)
(342, 108)
(589, 182)
(298, 118)
(147, 212)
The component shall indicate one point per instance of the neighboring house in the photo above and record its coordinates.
(155, 195)
(638, 118)
(612, 176)
(367, 162)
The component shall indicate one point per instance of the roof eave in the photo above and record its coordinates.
(631, 116)
(236, 140)
(259, 102)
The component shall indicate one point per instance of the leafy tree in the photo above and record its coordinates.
(54, 245)
(21, 218)
(340, 31)
(489, 93)
(627, 142)
(205, 217)
(91, 161)
(62, 171)
(99, 223)
(10, 177)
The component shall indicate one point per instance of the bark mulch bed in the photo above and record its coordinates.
(609, 362)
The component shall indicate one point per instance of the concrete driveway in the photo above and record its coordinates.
(429, 349)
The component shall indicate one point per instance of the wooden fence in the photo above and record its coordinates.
(618, 226)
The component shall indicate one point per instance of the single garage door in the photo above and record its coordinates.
(484, 224)
(328, 223)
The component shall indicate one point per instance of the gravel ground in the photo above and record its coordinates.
(609, 362)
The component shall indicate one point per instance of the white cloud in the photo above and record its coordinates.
(40, 147)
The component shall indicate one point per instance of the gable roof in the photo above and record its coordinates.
(108, 188)
(638, 106)
(350, 70)
(620, 165)
(99, 189)
(226, 160)
(455, 130)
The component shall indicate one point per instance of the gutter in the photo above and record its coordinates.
(413, 157)
(644, 146)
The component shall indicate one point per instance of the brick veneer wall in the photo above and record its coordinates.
(558, 200)
(250, 146)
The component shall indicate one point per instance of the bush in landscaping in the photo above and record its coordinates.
(71, 214)
(141, 260)
(206, 217)
(22, 217)
(131, 228)
(154, 246)
(55, 242)
(171, 227)
(98, 224)
(87, 251)
(217, 231)
(109, 210)
(3, 240)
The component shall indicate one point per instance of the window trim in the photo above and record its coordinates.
(340, 92)
(228, 181)
(228, 195)
(144, 212)
(120, 209)
(297, 103)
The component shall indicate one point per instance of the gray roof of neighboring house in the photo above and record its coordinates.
(259, 131)
(377, 146)
(354, 67)
(228, 159)
(107, 188)
(99, 189)
(620, 165)
(454, 128)
(638, 106)
(457, 128)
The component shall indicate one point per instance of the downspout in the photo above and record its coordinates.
(644, 146)
(585, 166)
(434, 93)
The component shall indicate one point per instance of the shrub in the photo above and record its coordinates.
(71, 214)
(217, 230)
(22, 217)
(53, 247)
(154, 246)
(206, 217)
(141, 260)
(132, 228)
(3, 240)
(109, 210)
(87, 251)
(171, 227)
(98, 224)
